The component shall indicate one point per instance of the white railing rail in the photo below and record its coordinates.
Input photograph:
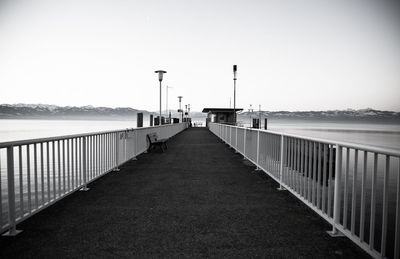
(356, 188)
(37, 173)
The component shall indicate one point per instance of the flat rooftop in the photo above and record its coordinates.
(198, 199)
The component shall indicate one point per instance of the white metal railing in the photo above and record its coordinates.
(37, 173)
(356, 188)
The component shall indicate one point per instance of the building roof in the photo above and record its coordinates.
(222, 109)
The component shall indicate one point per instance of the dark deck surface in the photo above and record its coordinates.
(198, 199)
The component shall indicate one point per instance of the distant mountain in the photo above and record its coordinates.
(44, 111)
(347, 115)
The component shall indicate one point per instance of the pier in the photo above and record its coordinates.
(197, 199)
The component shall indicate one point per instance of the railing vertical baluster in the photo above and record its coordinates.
(76, 168)
(302, 167)
(59, 167)
(298, 181)
(385, 205)
(84, 165)
(63, 162)
(319, 178)
(244, 143)
(68, 165)
(309, 181)
(397, 225)
(336, 193)
(294, 156)
(306, 171)
(354, 193)
(281, 164)
(36, 176)
(11, 193)
(28, 177)
(21, 186)
(48, 171)
(80, 161)
(42, 171)
(54, 169)
(363, 194)
(236, 139)
(324, 174)
(314, 179)
(373, 203)
(108, 153)
(117, 152)
(98, 152)
(330, 174)
(346, 188)
(73, 163)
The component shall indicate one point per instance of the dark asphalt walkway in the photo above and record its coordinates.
(198, 199)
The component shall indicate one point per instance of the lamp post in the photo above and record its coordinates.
(180, 109)
(234, 93)
(160, 78)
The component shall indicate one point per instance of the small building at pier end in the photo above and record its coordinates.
(221, 115)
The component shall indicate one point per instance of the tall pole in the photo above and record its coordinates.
(159, 123)
(166, 106)
(180, 109)
(234, 93)
(160, 78)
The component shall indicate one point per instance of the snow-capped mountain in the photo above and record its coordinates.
(44, 111)
(348, 114)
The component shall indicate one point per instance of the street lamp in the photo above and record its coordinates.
(234, 93)
(180, 109)
(160, 78)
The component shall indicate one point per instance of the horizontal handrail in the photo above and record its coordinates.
(63, 137)
(369, 148)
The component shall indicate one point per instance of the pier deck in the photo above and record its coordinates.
(198, 199)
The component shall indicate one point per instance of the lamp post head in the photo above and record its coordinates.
(234, 71)
(180, 97)
(160, 74)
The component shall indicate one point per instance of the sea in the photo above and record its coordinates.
(369, 133)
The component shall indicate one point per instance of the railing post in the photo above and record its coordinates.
(84, 171)
(281, 165)
(336, 198)
(116, 169)
(11, 194)
(244, 143)
(236, 138)
(258, 150)
(135, 132)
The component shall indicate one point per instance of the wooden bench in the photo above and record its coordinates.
(154, 141)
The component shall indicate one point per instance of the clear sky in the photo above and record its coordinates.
(291, 54)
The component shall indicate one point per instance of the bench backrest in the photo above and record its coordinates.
(152, 137)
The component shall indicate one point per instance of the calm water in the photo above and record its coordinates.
(384, 135)
(28, 129)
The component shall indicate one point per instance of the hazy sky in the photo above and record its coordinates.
(291, 54)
